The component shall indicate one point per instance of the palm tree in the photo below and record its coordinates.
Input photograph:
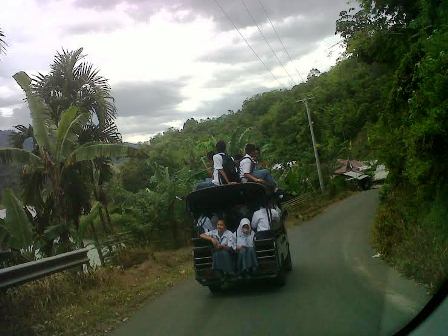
(72, 81)
(56, 169)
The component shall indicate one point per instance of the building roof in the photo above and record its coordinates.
(349, 166)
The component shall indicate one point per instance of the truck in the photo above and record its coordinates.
(233, 202)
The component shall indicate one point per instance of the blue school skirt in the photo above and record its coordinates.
(247, 260)
(222, 261)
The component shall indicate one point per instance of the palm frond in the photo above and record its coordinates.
(244, 138)
(96, 151)
(72, 81)
(40, 113)
(17, 156)
(16, 223)
(70, 126)
(107, 133)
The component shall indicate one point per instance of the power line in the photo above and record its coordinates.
(278, 36)
(247, 42)
(267, 42)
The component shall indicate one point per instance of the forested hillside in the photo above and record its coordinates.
(346, 103)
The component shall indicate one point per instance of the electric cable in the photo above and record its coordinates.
(278, 36)
(267, 42)
(247, 42)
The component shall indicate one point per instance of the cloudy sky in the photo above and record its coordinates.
(169, 60)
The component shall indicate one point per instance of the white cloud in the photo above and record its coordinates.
(185, 48)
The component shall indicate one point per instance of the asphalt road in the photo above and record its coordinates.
(336, 288)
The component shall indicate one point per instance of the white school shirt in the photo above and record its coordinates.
(225, 239)
(260, 220)
(217, 165)
(205, 223)
(242, 239)
(245, 165)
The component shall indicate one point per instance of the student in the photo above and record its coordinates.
(223, 245)
(247, 258)
(204, 224)
(220, 177)
(248, 171)
(262, 217)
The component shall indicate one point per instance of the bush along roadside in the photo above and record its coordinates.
(410, 233)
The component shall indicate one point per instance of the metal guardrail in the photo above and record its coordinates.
(19, 274)
(298, 201)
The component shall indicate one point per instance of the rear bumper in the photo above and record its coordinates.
(211, 278)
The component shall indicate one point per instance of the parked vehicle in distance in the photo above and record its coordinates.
(234, 202)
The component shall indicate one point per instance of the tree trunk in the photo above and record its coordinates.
(173, 225)
(108, 220)
(102, 219)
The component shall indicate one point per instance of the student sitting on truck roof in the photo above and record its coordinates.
(248, 170)
(224, 171)
(247, 258)
(223, 245)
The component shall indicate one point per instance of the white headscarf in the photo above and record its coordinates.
(243, 239)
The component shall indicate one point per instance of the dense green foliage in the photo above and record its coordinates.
(409, 38)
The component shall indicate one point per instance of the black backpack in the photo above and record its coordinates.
(229, 167)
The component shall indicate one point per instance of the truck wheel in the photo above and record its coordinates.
(280, 279)
(215, 289)
(288, 262)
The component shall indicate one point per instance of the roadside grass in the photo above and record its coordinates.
(91, 303)
(410, 233)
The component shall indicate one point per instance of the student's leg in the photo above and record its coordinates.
(265, 175)
(252, 258)
(205, 184)
(222, 261)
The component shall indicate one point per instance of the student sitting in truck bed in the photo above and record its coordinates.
(246, 256)
(204, 224)
(262, 218)
(223, 245)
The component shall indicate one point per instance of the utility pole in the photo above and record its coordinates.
(316, 155)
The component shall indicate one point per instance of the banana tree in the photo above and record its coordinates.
(16, 231)
(238, 140)
(58, 163)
